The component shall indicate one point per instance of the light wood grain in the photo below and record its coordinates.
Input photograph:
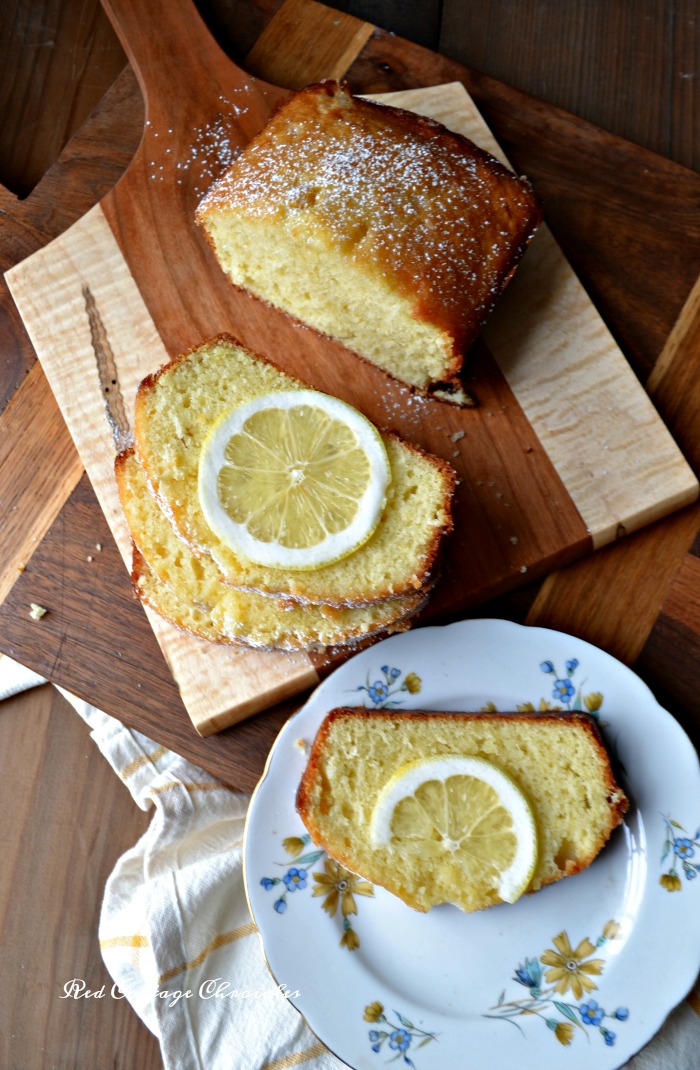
(152, 297)
(285, 55)
(616, 598)
(516, 516)
(617, 460)
(32, 428)
(628, 220)
(219, 684)
(613, 598)
(674, 383)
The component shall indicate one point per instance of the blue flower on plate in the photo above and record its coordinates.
(530, 975)
(295, 879)
(683, 847)
(572, 968)
(398, 1034)
(382, 693)
(591, 1013)
(564, 690)
(399, 1039)
(377, 691)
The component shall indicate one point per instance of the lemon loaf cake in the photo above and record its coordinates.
(176, 409)
(188, 591)
(470, 809)
(373, 225)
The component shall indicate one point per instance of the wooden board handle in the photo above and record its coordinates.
(176, 59)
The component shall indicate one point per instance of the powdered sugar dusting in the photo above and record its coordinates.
(424, 206)
(213, 147)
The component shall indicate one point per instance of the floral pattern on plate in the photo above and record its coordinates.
(565, 694)
(398, 1036)
(382, 692)
(682, 848)
(569, 969)
(337, 885)
(402, 959)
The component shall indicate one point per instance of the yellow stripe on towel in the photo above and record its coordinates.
(191, 787)
(219, 941)
(296, 1058)
(124, 941)
(143, 759)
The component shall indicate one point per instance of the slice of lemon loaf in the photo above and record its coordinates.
(176, 409)
(188, 591)
(373, 225)
(470, 809)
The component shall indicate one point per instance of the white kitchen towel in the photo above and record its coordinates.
(179, 941)
(175, 931)
(15, 678)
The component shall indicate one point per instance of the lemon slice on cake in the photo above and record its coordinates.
(295, 479)
(467, 822)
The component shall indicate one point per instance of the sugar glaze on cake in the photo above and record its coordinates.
(376, 226)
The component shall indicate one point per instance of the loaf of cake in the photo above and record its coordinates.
(375, 226)
(175, 409)
(189, 591)
(557, 761)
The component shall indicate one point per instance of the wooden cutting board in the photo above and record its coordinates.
(562, 454)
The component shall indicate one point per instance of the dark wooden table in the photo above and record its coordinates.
(70, 117)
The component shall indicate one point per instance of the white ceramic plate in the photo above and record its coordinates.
(447, 990)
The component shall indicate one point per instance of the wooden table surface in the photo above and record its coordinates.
(70, 118)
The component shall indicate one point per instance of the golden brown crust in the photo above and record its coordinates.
(618, 801)
(449, 234)
(191, 606)
(293, 586)
(149, 381)
(306, 804)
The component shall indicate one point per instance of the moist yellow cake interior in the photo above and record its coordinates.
(558, 763)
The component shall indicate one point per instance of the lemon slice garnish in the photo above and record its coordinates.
(294, 480)
(463, 815)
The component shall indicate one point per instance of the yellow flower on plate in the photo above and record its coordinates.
(350, 940)
(543, 706)
(293, 845)
(564, 1032)
(611, 929)
(412, 683)
(671, 882)
(339, 885)
(593, 701)
(569, 970)
(373, 1012)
